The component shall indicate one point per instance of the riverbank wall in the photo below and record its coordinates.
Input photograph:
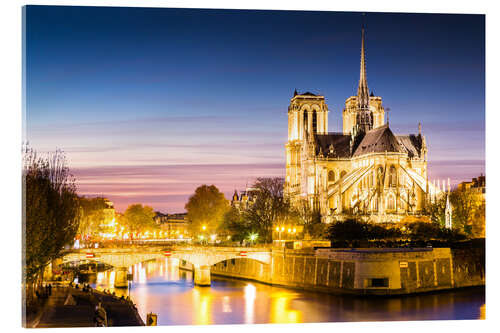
(363, 271)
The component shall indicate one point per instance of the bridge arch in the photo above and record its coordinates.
(202, 258)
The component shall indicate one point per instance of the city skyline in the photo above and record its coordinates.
(148, 104)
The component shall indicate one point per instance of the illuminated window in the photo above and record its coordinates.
(391, 202)
(331, 176)
(392, 176)
(314, 122)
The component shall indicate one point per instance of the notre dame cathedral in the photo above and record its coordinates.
(366, 170)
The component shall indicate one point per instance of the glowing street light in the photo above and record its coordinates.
(204, 227)
(253, 237)
(212, 237)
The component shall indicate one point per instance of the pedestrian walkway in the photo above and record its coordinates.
(79, 309)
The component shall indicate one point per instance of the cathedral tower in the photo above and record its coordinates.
(364, 111)
(307, 117)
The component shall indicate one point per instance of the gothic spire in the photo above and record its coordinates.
(363, 94)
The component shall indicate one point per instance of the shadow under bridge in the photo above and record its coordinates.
(203, 257)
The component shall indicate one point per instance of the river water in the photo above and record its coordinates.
(160, 287)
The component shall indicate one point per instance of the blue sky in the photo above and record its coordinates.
(150, 103)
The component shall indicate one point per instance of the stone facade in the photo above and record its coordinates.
(364, 271)
(366, 170)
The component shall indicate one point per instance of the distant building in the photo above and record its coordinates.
(108, 226)
(477, 185)
(245, 199)
(174, 226)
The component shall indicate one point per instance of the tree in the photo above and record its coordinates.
(464, 202)
(235, 225)
(311, 219)
(206, 207)
(139, 218)
(50, 218)
(478, 222)
(270, 207)
(91, 215)
(436, 210)
(348, 231)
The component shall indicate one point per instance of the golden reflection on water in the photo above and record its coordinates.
(280, 309)
(250, 294)
(160, 287)
(202, 307)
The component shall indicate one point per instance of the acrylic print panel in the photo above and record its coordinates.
(196, 166)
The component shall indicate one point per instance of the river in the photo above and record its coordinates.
(160, 287)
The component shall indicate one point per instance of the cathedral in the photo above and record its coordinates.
(366, 170)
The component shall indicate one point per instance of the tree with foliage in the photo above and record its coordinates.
(422, 231)
(139, 218)
(478, 222)
(436, 210)
(235, 225)
(91, 215)
(464, 202)
(270, 207)
(206, 207)
(51, 208)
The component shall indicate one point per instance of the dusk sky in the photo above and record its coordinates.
(150, 103)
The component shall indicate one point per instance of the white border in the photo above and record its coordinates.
(10, 19)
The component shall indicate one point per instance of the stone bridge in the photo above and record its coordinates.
(202, 257)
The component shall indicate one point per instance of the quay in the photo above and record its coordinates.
(71, 307)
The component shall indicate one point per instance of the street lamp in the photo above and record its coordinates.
(253, 237)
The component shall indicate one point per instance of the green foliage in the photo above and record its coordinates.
(206, 207)
(464, 203)
(235, 225)
(421, 231)
(139, 218)
(353, 233)
(352, 230)
(436, 211)
(51, 210)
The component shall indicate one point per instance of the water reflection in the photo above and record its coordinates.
(160, 287)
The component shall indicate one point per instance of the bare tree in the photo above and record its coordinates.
(50, 211)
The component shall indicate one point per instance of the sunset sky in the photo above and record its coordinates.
(148, 104)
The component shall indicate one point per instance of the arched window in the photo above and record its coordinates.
(343, 173)
(306, 122)
(315, 123)
(331, 176)
(380, 176)
(391, 202)
(392, 176)
(375, 203)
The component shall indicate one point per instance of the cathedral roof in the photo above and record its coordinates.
(379, 140)
(338, 141)
(412, 143)
(307, 93)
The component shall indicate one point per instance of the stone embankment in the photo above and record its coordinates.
(364, 271)
(71, 307)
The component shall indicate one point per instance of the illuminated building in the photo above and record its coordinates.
(366, 170)
(174, 226)
(245, 199)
